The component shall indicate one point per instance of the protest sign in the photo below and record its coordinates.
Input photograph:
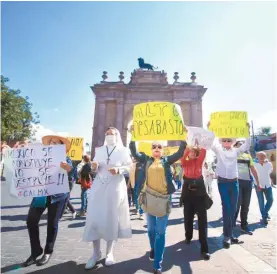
(76, 150)
(35, 171)
(145, 147)
(204, 137)
(158, 121)
(229, 124)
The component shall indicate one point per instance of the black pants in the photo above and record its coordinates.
(54, 213)
(245, 191)
(196, 205)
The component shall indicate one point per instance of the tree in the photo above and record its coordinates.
(264, 131)
(17, 118)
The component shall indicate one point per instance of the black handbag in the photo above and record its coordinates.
(208, 201)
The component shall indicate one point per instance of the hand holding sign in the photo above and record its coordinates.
(65, 166)
(94, 165)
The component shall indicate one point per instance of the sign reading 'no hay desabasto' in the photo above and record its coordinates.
(35, 171)
(229, 124)
(158, 121)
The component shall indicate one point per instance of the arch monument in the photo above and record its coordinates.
(114, 101)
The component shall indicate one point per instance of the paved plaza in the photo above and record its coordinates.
(257, 255)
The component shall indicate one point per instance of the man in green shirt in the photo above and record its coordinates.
(245, 167)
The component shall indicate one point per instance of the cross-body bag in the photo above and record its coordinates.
(153, 202)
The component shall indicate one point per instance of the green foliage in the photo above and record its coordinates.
(16, 115)
(264, 131)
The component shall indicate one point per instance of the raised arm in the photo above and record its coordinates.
(245, 146)
(140, 157)
(179, 154)
(202, 155)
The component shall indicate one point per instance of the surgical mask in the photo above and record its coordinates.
(110, 140)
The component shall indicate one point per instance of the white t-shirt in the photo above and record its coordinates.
(227, 166)
(264, 172)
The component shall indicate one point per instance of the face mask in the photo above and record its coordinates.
(110, 140)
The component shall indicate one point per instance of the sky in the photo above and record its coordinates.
(54, 51)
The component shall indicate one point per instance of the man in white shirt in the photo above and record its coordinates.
(264, 168)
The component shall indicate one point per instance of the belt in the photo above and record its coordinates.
(226, 180)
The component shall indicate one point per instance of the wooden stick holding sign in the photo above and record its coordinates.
(158, 121)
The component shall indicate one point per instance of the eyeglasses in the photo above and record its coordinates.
(227, 141)
(156, 146)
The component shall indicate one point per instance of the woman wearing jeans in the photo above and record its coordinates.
(227, 173)
(158, 177)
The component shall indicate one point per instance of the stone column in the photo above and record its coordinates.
(193, 114)
(101, 123)
(119, 115)
(200, 114)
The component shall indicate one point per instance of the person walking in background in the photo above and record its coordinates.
(156, 182)
(209, 176)
(263, 187)
(245, 167)
(134, 179)
(193, 196)
(86, 178)
(177, 173)
(227, 176)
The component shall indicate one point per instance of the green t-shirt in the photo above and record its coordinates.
(245, 161)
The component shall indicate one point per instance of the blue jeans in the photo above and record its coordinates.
(156, 227)
(264, 208)
(84, 199)
(229, 193)
(179, 184)
(138, 207)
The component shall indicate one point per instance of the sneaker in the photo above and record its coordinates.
(226, 244)
(74, 214)
(187, 241)
(151, 255)
(246, 230)
(268, 218)
(93, 261)
(82, 214)
(265, 221)
(141, 217)
(206, 256)
(109, 260)
(236, 241)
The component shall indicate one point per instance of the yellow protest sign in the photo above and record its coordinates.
(158, 121)
(145, 147)
(171, 150)
(229, 124)
(76, 150)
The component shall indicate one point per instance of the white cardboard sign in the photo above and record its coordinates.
(205, 138)
(35, 171)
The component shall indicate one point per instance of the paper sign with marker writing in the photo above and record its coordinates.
(204, 137)
(35, 171)
(229, 124)
(76, 150)
(158, 121)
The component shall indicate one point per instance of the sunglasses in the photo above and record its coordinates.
(156, 146)
(227, 141)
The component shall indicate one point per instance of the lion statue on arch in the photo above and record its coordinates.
(143, 65)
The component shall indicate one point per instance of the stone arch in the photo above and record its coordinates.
(114, 101)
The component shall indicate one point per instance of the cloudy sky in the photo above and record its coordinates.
(54, 52)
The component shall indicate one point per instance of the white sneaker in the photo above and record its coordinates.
(92, 261)
(141, 217)
(109, 260)
(74, 215)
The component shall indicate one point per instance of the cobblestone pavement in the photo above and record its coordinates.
(257, 255)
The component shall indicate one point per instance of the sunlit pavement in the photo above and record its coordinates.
(256, 255)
